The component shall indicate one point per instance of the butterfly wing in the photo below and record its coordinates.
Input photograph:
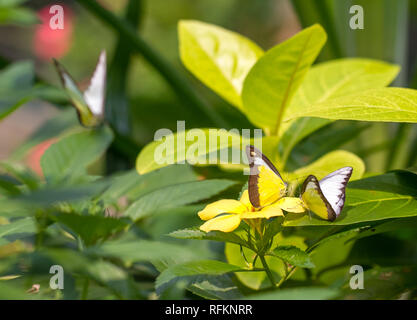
(265, 183)
(333, 187)
(326, 197)
(75, 95)
(314, 199)
(96, 91)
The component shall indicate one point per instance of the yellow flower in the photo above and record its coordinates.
(225, 215)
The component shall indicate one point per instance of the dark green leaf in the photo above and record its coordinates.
(176, 195)
(194, 268)
(71, 155)
(92, 228)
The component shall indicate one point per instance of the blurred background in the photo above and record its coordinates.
(143, 94)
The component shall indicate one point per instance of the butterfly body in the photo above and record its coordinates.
(90, 104)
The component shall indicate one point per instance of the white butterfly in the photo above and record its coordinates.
(90, 104)
(326, 197)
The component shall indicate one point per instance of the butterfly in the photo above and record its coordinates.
(90, 103)
(326, 197)
(265, 183)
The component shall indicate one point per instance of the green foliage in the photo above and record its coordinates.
(388, 104)
(219, 58)
(293, 256)
(194, 268)
(308, 293)
(12, 13)
(114, 232)
(72, 154)
(278, 74)
(15, 86)
(176, 195)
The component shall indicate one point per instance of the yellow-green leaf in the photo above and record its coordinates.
(218, 57)
(273, 80)
(196, 146)
(385, 104)
(329, 163)
(339, 78)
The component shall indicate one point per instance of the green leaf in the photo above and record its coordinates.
(195, 146)
(9, 186)
(26, 225)
(297, 131)
(274, 79)
(329, 163)
(386, 104)
(336, 136)
(212, 235)
(307, 293)
(18, 16)
(215, 288)
(392, 195)
(71, 155)
(330, 80)
(219, 58)
(194, 268)
(91, 228)
(142, 250)
(15, 86)
(114, 278)
(176, 195)
(339, 78)
(293, 255)
(132, 185)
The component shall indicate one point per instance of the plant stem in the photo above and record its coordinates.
(267, 270)
(175, 79)
(287, 276)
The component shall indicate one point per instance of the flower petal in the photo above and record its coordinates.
(266, 212)
(291, 204)
(245, 199)
(225, 223)
(222, 206)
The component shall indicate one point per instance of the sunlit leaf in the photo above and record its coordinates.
(196, 146)
(274, 79)
(218, 57)
(329, 163)
(339, 78)
(386, 104)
